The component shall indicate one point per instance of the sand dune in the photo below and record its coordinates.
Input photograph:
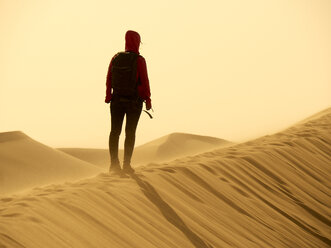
(99, 157)
(174, 146)
(169, 147)
(25, 163)
(270, 192)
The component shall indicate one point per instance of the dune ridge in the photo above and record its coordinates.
(269, 192)
(14, 135)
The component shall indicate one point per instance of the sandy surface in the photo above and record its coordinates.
(270, 192)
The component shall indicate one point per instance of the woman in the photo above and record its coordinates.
(127, 89)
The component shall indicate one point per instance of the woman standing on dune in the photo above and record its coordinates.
(127, 89)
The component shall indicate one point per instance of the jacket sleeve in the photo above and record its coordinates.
(108, 83)
(143, 88)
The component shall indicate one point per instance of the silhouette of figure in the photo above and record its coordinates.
(127, 89)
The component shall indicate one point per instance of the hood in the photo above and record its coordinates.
(132, 41)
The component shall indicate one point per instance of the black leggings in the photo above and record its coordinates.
(118, 108)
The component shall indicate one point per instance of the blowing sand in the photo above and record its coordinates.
(166, 148)
(270, 192)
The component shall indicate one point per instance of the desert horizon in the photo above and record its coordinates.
(174, 124)
(62, 161)
(236, 70)
(278, 183)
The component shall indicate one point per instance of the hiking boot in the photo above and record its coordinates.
(115, 169)
(127, 169)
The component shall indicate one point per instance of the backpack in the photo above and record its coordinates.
(124, 74)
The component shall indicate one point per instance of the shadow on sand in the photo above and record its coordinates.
(169, 213)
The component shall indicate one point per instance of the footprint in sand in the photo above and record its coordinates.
(8, 199)
(167, 169)
(30, 199)
(11, 215)
(223, 179)
(23, 204)
(43, 194)
(34, 219)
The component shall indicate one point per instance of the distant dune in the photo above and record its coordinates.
(166, 148)
(273, 191)
(99, 157)
(25, 163)
(176, 145)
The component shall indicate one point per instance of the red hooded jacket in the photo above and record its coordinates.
(132, 42)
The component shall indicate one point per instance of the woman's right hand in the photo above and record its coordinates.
(148, 104)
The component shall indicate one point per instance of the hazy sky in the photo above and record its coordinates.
(231, 69)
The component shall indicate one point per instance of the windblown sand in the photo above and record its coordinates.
(166, 148)
(270, 192)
